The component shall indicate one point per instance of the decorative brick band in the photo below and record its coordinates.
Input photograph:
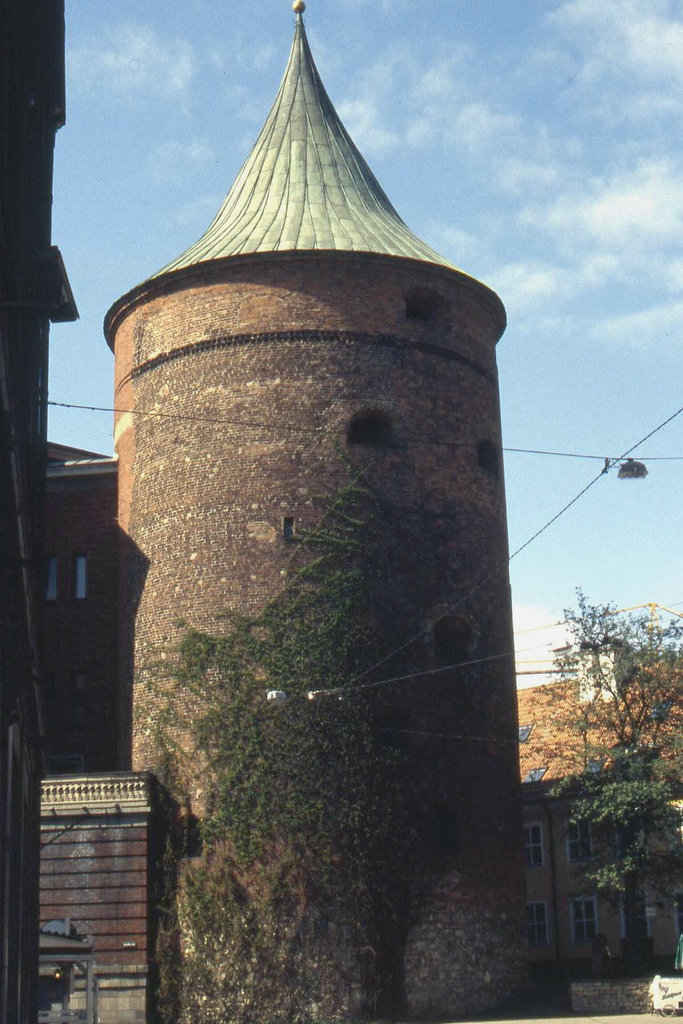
(314, 337)
(126, 792)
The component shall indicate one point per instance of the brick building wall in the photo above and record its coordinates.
(254, 370)
(97, 870)
(81, 545)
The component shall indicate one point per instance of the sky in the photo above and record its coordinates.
(536, 146)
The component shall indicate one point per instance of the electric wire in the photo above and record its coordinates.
(300, 429)
(605, 469)
(355, 684)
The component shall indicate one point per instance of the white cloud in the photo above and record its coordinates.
(639, 208)
(134, 58)
(644, 37)
(653, 326)
(386, 6)
(516, 176)
(365, 125)
(437, 83)
(172, 160)
(538, 634)
(477, 125)
(462, 247)
(672, 275)
(529, 285)
(244, 52)
(199, 212)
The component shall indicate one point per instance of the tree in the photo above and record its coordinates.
(622, 699)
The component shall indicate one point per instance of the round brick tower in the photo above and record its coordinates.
(306, 319)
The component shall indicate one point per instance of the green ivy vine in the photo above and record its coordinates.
(311, 827)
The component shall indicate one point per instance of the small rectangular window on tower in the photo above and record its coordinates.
(51, 577)
(80, 576)
(288, 528)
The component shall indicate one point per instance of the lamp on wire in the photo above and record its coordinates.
(632, 470)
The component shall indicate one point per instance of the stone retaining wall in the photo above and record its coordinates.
(617, 996)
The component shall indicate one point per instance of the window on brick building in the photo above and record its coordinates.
(288, 528)
(51, 578)
(533, 845)
(80, 578)
(371, 427)
(537, 923)
(584, 918)
(579, 841)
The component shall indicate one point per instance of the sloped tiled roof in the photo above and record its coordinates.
(553, 743)
(564, 740)
(305, 185)
(534, 708)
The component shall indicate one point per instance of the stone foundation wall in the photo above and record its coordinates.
(591, 997)
(464, 957)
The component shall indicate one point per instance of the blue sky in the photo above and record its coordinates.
(537, 146)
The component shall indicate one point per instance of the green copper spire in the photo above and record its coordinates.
(305, 186)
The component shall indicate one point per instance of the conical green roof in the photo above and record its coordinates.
(305, 185)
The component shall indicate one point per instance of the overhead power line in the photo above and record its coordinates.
(300, 429)
(355, 684)
(609, 463)
(480, 583)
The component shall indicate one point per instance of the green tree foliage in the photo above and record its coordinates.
(622, 700)
(300, 797)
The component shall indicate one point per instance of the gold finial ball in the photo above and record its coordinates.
(298, 6)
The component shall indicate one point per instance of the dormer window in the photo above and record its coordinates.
(534, 775)
(524, 733)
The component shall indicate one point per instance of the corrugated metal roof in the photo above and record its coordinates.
(305, 185)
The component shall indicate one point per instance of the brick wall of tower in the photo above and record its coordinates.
(254, 369)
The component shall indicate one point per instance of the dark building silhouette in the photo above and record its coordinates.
(34, 290)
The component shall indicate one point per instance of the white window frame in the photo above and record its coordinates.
(532, 844)
(580, 921)
(535, 924)
(578, 840)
